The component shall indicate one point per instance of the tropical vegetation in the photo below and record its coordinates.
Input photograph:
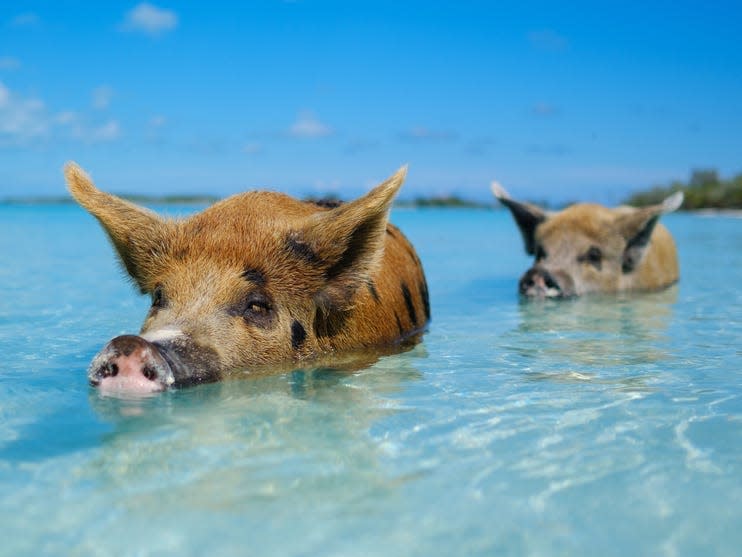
(704, 190)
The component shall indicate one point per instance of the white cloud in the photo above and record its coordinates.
(157, 121)
(307, 126)
(149, 19)
(548, 39)
(26, 121)
(27, 19)
(102, 97)
(65, 118)
(22, 120)
(548, 149)
(156, 128)
(608, 174)
(80, 130)
(544, 109)
(9, 63)
(480, 146)
(359, 145)
(422, 134)
(252, 148)
(109, 131)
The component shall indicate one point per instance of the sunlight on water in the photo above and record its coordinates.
(599, 426)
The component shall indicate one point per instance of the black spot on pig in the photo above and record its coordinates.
(426, 298)
(302, 251)
(372, 289)
(408, 302)
(298, 335)
(254, 276)
(399, 324)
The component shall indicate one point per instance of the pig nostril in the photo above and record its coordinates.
(550, 282)
(107, 370)
(527, 281)
(149, 373)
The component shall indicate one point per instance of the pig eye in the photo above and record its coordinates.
(593, 256)
(540, 253)
(257, 310)
(158, 297)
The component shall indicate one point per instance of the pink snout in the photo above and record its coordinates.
(130, 364)
(538, 282)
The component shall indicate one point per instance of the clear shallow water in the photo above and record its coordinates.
(608, 426)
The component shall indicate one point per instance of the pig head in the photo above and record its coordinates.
(257, 282)
(588, 248)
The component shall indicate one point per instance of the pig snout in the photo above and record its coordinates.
(538, 282)
(130, 364)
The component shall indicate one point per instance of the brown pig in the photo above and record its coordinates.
(257, 282)
(588, 248)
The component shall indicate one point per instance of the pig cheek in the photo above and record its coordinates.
(566, 282)
(591, 280)
(585, 281)
(609, 282)
(156, 319)
(249, 346)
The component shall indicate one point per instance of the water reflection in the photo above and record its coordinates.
(579, 338)
(270, 436)
(392, 366)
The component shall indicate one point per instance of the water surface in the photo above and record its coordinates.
(599, 426)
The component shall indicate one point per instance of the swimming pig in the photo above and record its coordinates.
(258, 281)
(589, 248)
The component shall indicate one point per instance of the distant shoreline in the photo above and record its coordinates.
(449, 202)
(143, 199)
(443, 202)
(735, 213)
(704, 190)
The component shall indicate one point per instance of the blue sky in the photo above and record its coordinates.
(556, 100)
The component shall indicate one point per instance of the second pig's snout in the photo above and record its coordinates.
(539, 282)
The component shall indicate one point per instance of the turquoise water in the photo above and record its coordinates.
(602, 426)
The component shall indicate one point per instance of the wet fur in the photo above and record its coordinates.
(336, 279)
(583, 225)
(638, 253)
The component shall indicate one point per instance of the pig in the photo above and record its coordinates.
(587, 248)
(257, 282)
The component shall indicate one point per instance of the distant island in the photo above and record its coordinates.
(448, 201)
(330, 200)
(704, 190)
(197, 199)
(183, 199)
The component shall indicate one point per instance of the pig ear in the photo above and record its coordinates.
(526, 216)
(137, 234)
(347, 242)
(636, 226)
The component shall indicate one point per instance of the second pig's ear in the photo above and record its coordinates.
(636, 227)
(347, 242)
(526, 216)
(138, 235)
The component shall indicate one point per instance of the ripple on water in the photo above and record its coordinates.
(601, 426)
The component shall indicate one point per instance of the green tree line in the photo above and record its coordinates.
(704, 190)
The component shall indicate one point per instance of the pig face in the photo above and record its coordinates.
(589, 248)
(257, 282)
